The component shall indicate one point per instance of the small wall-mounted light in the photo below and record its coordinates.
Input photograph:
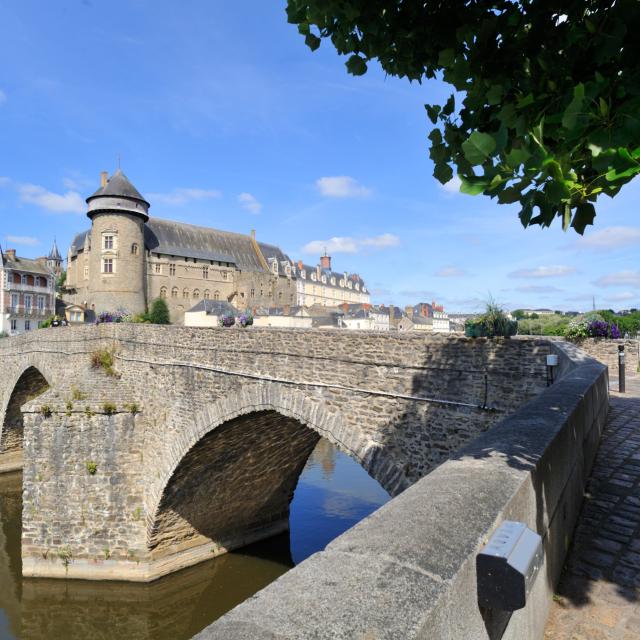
(507, 566)
(552, 363)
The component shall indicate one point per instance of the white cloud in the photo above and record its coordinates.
(69, 202)
(538, 288)
(618, 279)
(450, 272)
(453, 186)
(552, 271)
(183, 196)
(623, 296)
(27, 241)
(3, 97)
(610, 238)
(342, 187)
(250, 203)
(351, 245)
(80, 184)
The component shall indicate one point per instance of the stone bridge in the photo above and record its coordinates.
(147, 449)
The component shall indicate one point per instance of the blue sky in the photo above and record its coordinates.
(222, 117)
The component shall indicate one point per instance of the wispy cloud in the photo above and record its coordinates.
(538, 288)
(69, 202)
(183, 196)
(78, 183)
(27, 241)
(426, 294)
(552, 271)
(342, 187)
(623, 296)
(351, 245)
(450, 272)
(250, 203)
(618, 279)
(3, 97)
(453, 186)
(610, 238)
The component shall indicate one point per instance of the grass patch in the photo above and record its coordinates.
(104, 359)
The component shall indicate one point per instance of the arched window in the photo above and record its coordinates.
(216, 295)
(134, 248)
(196, 294)
(185, 294)
(163, 292)
(206, 295)
(174, 292)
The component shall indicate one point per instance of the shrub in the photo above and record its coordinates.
(493, 323)
(103, 359)
(227, 320)
(120, 315)
(109, 408)
(245, 320)
(159, 312)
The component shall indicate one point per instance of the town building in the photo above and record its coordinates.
(27, 290)
(291, 317)
(208, 313)
(323, 286)
(128, 258)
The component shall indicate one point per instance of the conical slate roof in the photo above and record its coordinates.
(54, 254)
(118, 185)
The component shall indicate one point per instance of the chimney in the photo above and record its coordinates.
(253, 234)
(325, 261)
(11, 254)
(103, 178)
(300, 265)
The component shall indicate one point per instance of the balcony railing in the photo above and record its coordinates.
(32, 312)
(29, 288)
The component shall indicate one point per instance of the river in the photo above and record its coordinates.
(333, 493)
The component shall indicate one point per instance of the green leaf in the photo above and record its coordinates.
(509, 195)
(435, 135)
(449, 106)
(574, 109)
(472, 186)
(446, 57)
(553, 168)
(585, 214)
(516, 157)
(494, 95)
(312, 41)
(443, 173)
(478, 147)
(356, 65)
(432, 111)
(604, 108)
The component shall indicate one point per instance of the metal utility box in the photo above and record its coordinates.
(507, 567)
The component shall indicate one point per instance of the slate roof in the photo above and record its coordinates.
(118, 185)
(215, 308)
(277, 311)
(27, 265)
(353, 277)
(54, 254)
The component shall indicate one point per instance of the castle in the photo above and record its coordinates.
(127, 259)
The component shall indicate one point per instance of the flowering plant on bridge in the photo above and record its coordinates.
(245, 320)
(602, 329)
(227, 321)
(120, 315)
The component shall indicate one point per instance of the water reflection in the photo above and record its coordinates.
(333, 493)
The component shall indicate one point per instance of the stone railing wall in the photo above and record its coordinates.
(408, 570)
(606, 351)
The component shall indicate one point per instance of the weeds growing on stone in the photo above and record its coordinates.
(76, 394)
(45, 410)
(132, 408)
(109, 408)
(92, 467)
(103, 359)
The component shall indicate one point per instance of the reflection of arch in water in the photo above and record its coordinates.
(234, 470)
(29, 384)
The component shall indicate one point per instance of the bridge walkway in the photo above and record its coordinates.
(598, 597)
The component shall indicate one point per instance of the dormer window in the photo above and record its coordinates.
(350, 285)
(324, 279)
(303, 274)
(313, 277)
(333, 281)
(357, 286)
(274, 267)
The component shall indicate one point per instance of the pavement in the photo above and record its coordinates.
(598, 597)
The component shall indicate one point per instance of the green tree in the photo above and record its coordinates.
(62, 279)
(519, 314)
(546, 93)
(159, 312)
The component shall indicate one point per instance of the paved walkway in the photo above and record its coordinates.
(599, 593)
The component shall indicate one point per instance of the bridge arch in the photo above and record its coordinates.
(26, 384)
(231, 474)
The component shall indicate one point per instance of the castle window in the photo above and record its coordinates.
(107, 242)
(253, 293)
(108, 265)
(216, 295)
(23, 279)
(206, 294)
(224, 275)
(134, 248)
(196, 294)
(86, 271)
(158, 267)
(279, 296)
(163, 292)
(172, 269)
(185, 294)
(174, 292)
(205, 273)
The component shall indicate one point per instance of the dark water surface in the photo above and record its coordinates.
(333, 493)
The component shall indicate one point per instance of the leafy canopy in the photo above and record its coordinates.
(546, 103)
(159, 312)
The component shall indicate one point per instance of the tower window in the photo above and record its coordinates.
(185, 294)
(205, 273)
(196, 294)
(224, 275)
(108, 265)
(172, 269)
(107, 242)
(134, 249)
(86, 271)
(158, 267)
(216, 295)
(207, 294)
(174, 292)
(163, 292)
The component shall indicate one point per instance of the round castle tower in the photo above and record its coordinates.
(117, 258)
